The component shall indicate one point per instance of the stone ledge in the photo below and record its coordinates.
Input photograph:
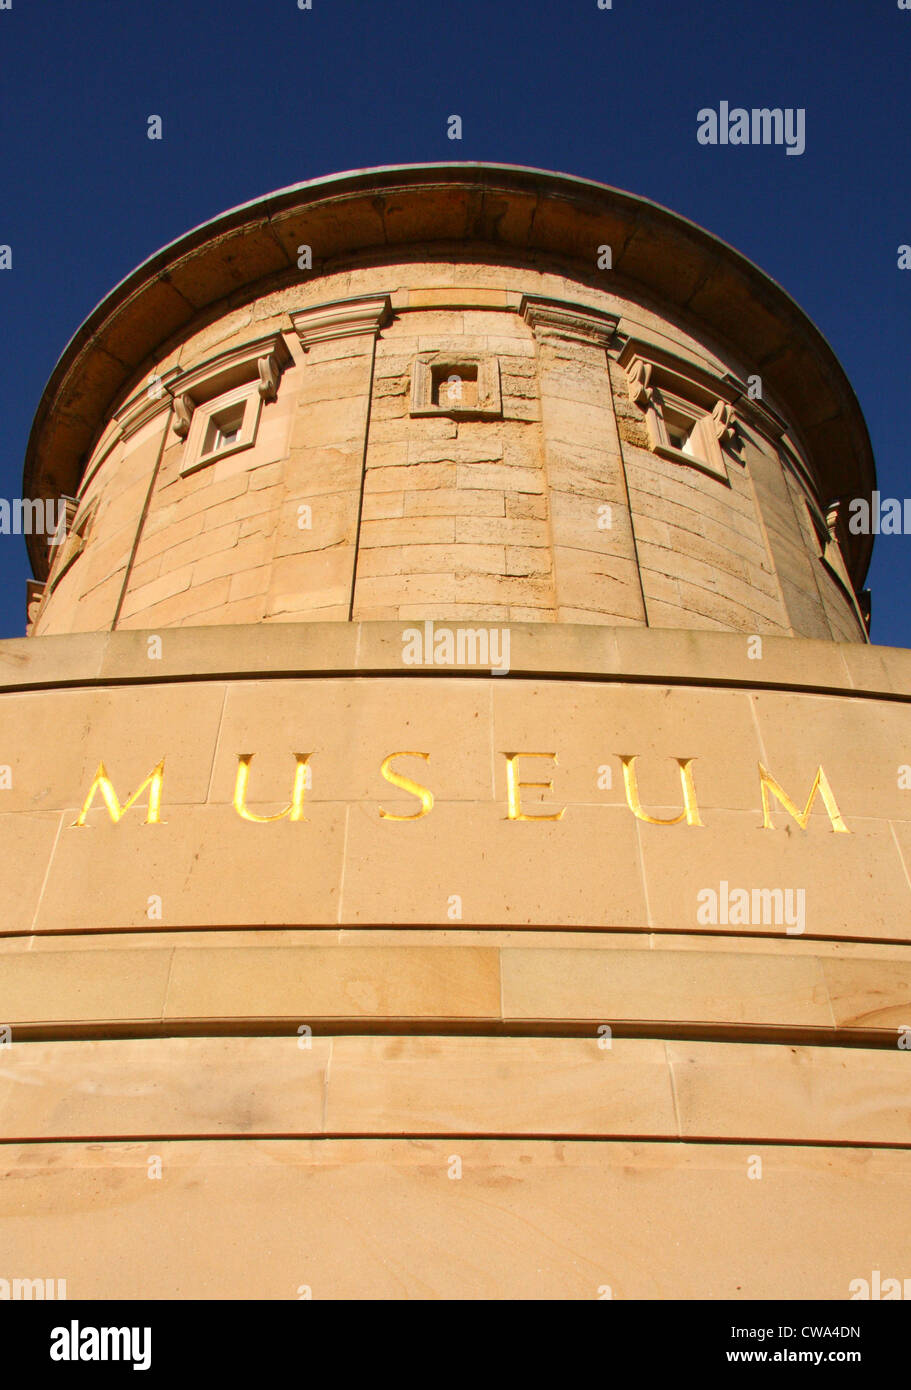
(577, 651)
(395, 1085)
(816, 993)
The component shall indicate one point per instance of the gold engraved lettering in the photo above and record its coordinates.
(768, 784)
(514, 787)
(295, 808)
(690, 812)
(396, 779)
(103, 784)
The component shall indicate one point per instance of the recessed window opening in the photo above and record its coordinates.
(466, 386)
(223, 429)
(680, 433)
(454, 387)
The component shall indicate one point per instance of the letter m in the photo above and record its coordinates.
(821, 785)
(103, 784)
(115, 1344)
(28, 516)
(472, 646)
(762, 126)
(28, 1288)
(767, 907)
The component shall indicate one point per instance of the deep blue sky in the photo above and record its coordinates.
(259, 94)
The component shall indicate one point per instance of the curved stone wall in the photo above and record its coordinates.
(447, 862)
(533, 1036)
(451, 439)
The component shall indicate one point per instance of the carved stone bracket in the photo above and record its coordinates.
(70, 539)
(342, 318)
(69, 506)
(262, 361)
(183, 414)
(561, 319)
(723, 423)
(34, 595)
(269, 373)
(638, 378)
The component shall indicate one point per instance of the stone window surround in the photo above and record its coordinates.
(266, 357)
(654, 372)
(247, 375)
(548, 317)
(77, 529)
(709, 387)
(567, 320)
(194, 458)
(489, 402)
(659, 381)
(258, 363)
(832, 557)
(721, 400)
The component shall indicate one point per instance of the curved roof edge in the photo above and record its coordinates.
(671, 259)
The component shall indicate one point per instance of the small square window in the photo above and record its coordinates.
(454, 388)
(680, 432)
(444, 385)
(222, 426)
(687, 419)
(679, 429)
(223, 429)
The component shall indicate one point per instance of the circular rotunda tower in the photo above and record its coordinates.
(460, 837)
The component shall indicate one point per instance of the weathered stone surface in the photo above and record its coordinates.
(487, 574)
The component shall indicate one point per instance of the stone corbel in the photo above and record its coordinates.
(269, 374)
(638, 379)
(834, 527)
(34, 594)
(562, 319)
(183, 414)
(67, 509)
(342, 318)
(724, 423)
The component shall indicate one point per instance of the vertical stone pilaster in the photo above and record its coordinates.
(596, 573)
(314, 566)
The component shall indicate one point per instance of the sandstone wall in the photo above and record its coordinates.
(455, 1127)
(554, 507)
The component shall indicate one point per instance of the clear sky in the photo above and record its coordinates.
(258, 94)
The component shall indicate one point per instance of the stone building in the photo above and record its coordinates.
(460, 825)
